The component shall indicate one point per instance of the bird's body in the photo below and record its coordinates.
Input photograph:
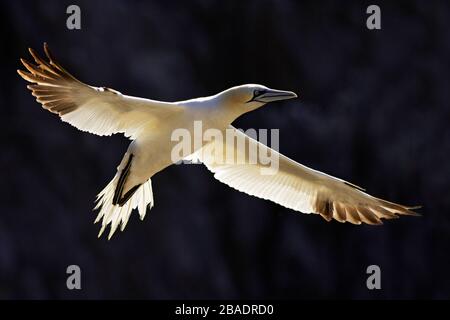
(151, 124)
(150, 155)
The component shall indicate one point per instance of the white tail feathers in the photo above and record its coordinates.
(115, 214)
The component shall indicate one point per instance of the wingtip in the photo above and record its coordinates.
(413, 214)
(28, 65)
(32, 52)
(47, 52)
(410, 211)
(22, 74)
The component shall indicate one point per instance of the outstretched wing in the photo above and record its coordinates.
(98, 110)
(293, 185)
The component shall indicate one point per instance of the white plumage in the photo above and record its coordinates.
(150, 124)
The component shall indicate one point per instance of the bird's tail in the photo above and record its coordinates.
(115, 214)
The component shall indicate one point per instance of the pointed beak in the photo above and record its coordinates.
(275, 95)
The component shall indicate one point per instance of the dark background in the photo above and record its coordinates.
(373, 109)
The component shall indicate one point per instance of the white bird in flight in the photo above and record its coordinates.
(150, 123)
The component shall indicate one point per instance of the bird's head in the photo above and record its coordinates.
(249, 97)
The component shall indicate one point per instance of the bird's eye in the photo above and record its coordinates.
(256, 93)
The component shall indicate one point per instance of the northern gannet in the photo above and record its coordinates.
(149, 124)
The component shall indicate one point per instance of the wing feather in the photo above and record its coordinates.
(296, 186)
(97, 110)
